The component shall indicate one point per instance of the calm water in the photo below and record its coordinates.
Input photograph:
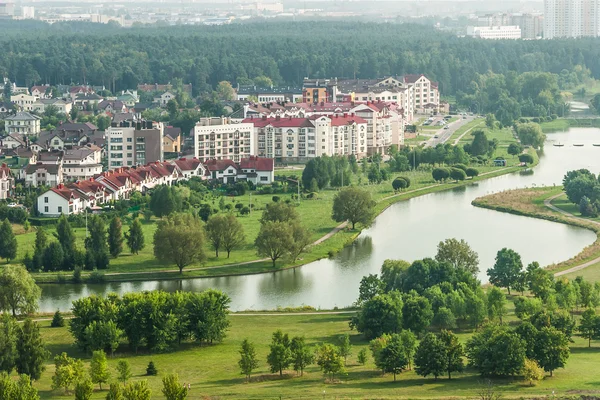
(407, 230)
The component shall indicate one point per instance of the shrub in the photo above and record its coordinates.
(460, 166)
(57, 321)
(151, 369)
(96, 277)
(77, 275)
(275, 199)
(61, 278)
(472, 172)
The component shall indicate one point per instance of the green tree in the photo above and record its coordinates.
(248, 361)
(172, 388)
(135, 237)
(344, 346)
(362, 356)
(301, 239)
(66, 237)
(515, 149)
(20, 389)
(99, 368)
(279, 212)
(172, 108)
(32, 350)
(532, 372)
(551, 349)
(490, 121)
(137, 391)
(225, 91)
(530, 134)
(595, 103)
(41, 242)
(18, 291)
(472, 172)
(454, 352)
(8, 241)
(440, 174)
(370, 286)
(165, 200)
(302, 355)
(354, 205)
(280, 355)
(382, 314)
(57, 320)
(96, 241)
(114, 392)
(67, 372)
(274, 240)
(459, 254)
(263, 81)
(115, 237)
(480, 145)
(506, 270)
(409, 345)
(393, 357)
(458, 174)
(399, 183)
(330, 360)
(589, 325)
(526, 158)
(9, 335)
(496, 351)
(496, 304)
(431, 357)
(179, 239)
(225, 231)
(84, 389)
(416, 313)
(123, 370)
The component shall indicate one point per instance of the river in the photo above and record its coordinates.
(407, 230)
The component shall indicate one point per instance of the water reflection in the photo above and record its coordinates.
(407, 230)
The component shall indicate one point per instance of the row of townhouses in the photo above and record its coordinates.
(120, 183)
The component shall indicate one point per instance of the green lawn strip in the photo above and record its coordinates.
(212, 371)
(460, 131)
(562, 124)
(537, 209)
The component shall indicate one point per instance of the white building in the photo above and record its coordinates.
(43, 174)
(189, 167)
(260, 171)
(82, 163)
(23, 101)
(164, 98)
(7, 182)
(494, 32)
(134, 143)
(571, 18)
(23, 123)
(60, 200)
(219, 139)
(63, 107)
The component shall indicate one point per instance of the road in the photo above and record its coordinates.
(444, 134)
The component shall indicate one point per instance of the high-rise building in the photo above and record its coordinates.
(571, 18)
(133, 143)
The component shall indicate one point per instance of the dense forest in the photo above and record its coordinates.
(286, 52)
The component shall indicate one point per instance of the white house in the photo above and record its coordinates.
(189, 168)
(7, 182)
(260, 171)
(23, 123)
(43, 174)
(164, 98)
(13, 141)
(63, 107)
(23, 101)
(82, 163)
(60, 200)
(225, 171)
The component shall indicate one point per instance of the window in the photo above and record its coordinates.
(129, 140)
(46, 209)
(46, 200)
(264, 178)
(59, 209)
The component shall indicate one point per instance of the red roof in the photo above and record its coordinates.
(412, 78)
(63, 192)
(257, 163)
(288, 122)
(41, 89)
(219, 165)
(187, 164)
(5, 171)
(340, 120)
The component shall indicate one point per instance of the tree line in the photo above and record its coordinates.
(582, 188)
(154, 320)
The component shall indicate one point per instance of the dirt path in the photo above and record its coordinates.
(548, 203)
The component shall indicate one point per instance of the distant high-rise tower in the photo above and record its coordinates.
(571, 18)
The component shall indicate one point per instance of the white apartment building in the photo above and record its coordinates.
(494, 32)
(82, 163)
(23, 123)
(571, 18)
(220, 139)
(23, 101)
(134, 143)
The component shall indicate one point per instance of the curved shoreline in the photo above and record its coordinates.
(574, 263)
(195, 273)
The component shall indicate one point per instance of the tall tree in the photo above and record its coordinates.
(9, 335)
(172, 388)
(124, 370)
(135, 237)
(99, 368)
(115, 237)
(496, 304)
(454, 352)
(459, 254)
(20, 389)
(506, 270)
(8, 241)
(344, 346)
(32, 350)
(84, 389)
(280, 355)
(248, 361)
(66, 237)
(302, 355)
(382, 314)
(551, 349)
(41, 242)
(589, 325)
(279, 212)
(301, 239)
(18, 291)
(137, 391)
(354, 205)
(393, 357)
(179, 239)
(330, 360)
(274, 240)
(431, 356)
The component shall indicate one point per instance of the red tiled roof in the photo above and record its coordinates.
(5, 171)
(63, 192)
(187, 164)
(219, 165)
(288, 122)
(257, 163)
(340, 120)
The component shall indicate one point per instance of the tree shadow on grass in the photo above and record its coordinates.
(328, 318)
(287, 376)
(585, 350)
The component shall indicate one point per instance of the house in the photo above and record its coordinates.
(23, 101)
(260, 171)
(172, 140)
(75, 91)
(5, 108)
(112, 106)
(81, 163)
(41, 92)
(61, 200)
(164, 98)
(225, 171)
(43, 174)
(63, 107)
(129, 98)
(87, 101)
(13, 141)
(22, 122)
(189, 168)
(7, 182)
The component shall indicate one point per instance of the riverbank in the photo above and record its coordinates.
(212, 371)
(562, 124)
(537, 203)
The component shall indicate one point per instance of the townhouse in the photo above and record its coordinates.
(189, 167)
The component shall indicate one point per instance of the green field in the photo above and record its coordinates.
(213, 373)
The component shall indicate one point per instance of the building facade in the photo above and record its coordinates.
(220, 139)
(7, 182)
(495, 32)
(22, 123)
(571, 18)
(134, 143)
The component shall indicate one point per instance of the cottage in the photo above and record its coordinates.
(257, 170)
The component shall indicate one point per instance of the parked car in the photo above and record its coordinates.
(447, 127)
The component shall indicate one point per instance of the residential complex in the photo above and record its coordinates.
(134, 143)
(571, 18)
(220, 139)
(495, 32)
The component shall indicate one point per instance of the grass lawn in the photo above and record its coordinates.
(213, 373)
(472, 124)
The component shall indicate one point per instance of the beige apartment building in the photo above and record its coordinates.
(134, 143)
(220, 139)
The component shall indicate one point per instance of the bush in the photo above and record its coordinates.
(57, 321)
(472, 172)
(457, 174)
(96, 277)
(460, 166)
(275, 199)
(77, 275)
(245, 210)
(151, 369)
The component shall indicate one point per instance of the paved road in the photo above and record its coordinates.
(444, 134)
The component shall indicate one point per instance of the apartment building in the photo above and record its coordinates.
(220, 139)
(23, 101)
(319, 90)
(571, 18)
(134, 143)
(495, 32)
(23, 123)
